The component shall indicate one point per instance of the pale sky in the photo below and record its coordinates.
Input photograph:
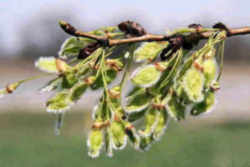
(157, 15)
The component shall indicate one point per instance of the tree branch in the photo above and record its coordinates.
(197, 35)
(73, 31)
(239, 31)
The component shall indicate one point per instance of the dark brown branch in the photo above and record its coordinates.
(148, 37)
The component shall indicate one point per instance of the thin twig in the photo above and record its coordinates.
(73, 31)
(148, 37)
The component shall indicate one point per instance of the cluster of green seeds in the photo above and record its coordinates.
(185, 84)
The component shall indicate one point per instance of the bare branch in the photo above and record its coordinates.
(197, 35)
(239, 31)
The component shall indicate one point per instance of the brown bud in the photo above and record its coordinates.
(12, 87)
(132, 28)
(175, 43)
(67, 27)
(88, 50)
(197, 27)
(9, 89)
(220, 26)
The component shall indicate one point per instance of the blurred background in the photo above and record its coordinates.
(29, 29)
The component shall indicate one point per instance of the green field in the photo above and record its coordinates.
(27, 140)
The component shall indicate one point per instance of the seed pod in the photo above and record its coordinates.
(161, 125)
(205, 106)
(99, 110)
(69, 79)
(47, 64)
(59, 103)
(149, 51)
(187, 64)
(51, 65)
(193, 82)
(136, 116)
(175, 109)
(145, 143)
(77, 91)
(146, 76)
(151, 120)
(137, 101)
(132, 134)
(169, 74)
(95, 142)
(110, 76)
(119, 137)
(210, 71)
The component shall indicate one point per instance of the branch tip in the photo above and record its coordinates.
(67, 27)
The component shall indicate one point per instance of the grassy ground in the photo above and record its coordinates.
(27, 140)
